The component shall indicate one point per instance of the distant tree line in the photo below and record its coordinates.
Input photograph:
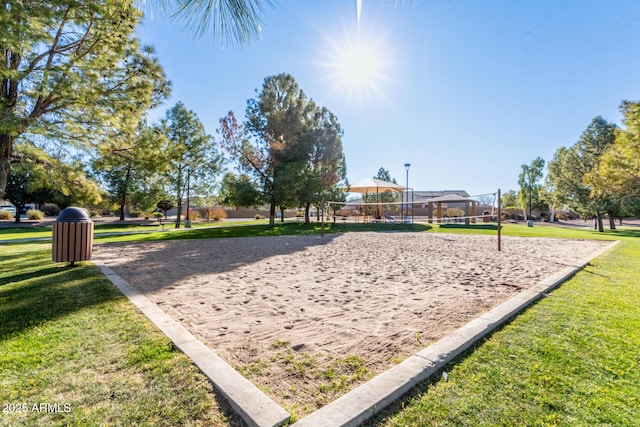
(598, 175)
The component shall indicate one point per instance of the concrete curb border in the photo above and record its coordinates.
(255, 408)
(362, 403)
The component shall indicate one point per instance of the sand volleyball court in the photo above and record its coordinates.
(308, 318)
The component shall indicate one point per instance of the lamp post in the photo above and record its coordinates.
(407, 166)
(530, 192)
(187, 220)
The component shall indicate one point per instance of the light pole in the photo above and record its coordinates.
(187, 220)
(530, 192)
(407, 166)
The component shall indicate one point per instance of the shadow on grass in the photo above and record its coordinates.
(23, 229)
(34, 298)
(14, 278)
(10, 257)
(625, 233)
(49, 293)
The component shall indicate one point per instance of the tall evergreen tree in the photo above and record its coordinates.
(72, 71)
(190, 153)
(289, 145)
(326, 166)
(268, 145)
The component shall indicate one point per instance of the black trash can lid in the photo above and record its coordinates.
(72, 214)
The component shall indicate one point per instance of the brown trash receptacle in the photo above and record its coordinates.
(72, 236)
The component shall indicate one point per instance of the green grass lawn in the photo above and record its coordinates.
(44, 231)
(67, 336)
(571, 359)
(69, 340)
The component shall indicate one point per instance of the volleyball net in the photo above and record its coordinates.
(451, 208)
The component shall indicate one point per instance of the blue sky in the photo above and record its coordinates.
(466, 91)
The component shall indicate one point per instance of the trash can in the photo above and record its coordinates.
(407, 219)
(72, 236)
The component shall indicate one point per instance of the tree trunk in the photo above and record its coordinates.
(9, 101)
(19, 207)
(6, 147)
(179, 213)
(281, 214)
(307, 213)
(123, 202)
(123, 192)
(599, 221)
(612, 220)
(620, 221)
(272, 212)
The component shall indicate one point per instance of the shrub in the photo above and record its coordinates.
(134, 214)
(35, 214)
(217, 214)
(193, 215)
(6, 215)
(158, 215)
(258, 216)
(50, 209)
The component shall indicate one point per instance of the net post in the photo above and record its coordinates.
(499, 221)
(323, 215)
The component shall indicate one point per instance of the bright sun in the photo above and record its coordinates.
(357, 66)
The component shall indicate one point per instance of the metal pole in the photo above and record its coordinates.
(530, 193)
(499, 221)
(187, 223)
(406, 166)
(412, 204)
(323, 215)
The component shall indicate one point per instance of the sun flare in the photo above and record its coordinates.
(357, 66)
